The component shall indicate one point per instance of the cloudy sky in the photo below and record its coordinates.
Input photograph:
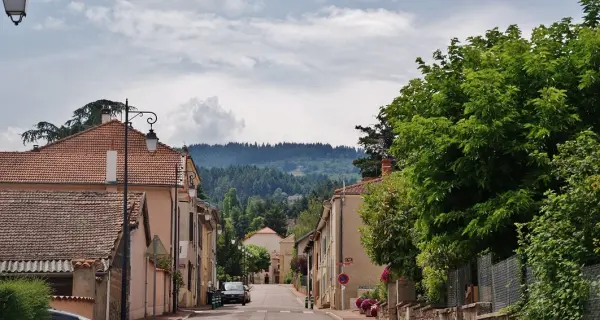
(235, 70)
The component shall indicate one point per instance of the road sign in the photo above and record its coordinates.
(348, 260)
(343, 279)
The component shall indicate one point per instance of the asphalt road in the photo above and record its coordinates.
(269, 302)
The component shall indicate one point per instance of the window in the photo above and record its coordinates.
(191, 227)
(189, 284)
(199, 233)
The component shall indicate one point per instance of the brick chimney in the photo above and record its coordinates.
(386, 166)
(105, 115)
(84, 278)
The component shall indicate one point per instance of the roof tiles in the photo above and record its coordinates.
(48, 227)
(357, 188)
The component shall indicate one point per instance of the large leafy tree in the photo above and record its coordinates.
(82, 118)
(259, 258)
(476, 133)
(376, 141)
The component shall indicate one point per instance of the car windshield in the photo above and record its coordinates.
(234, 287)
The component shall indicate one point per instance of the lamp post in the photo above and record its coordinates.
(191, 187)
(151, 144)
(15, 10)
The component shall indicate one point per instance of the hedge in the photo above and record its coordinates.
(24, 299)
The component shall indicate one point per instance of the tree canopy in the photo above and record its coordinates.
(475, 137)
(82, 118)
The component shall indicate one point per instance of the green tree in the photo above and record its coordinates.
(376, 141)
(388, 219)
(476, 133)
(82, 118)
(566, 234)
(307, 220)
(259, 259)
(228, 255)
(257, 224)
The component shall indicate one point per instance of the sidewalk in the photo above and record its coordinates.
(343, 315)
(180, 315)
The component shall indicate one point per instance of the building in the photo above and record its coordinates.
(302, 242)
(92, 160)
(270, 240)
(286, 253)
(336, 240)
(208, 231)
(73, 240)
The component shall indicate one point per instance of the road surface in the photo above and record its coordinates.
(269, 302)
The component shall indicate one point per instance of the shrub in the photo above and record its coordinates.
(288, 278)
(24, 299)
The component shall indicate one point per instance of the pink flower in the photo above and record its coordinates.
(385, 276)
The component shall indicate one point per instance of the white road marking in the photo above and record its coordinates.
(308, 312)
(284, 311)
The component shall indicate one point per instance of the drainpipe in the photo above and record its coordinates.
(146, 288)
(107, 315)
(341, 267)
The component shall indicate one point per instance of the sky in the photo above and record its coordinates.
(235, 70)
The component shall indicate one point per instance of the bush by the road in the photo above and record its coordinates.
(24, 299)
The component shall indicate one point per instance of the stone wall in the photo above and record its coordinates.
(411, 310)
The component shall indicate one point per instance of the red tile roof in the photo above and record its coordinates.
(86, 168)
(46, 226)
(106, 136)
(357, 188)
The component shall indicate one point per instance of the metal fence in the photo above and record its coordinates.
(458, 280)
(592, 307)
(501, 284)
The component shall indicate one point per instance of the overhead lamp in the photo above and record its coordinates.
(151, 140)
(15, 10)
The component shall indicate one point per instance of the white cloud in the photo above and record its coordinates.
(10, 140)
(203, 121)
(76, 7)
(51, 23)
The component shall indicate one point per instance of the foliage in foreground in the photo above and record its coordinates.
(475, 139)
(24, 299)
(564, 237)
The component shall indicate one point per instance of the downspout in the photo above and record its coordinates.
(341, 267)
(170, 242)
(146, 288)
(175, 241)
(107, 315)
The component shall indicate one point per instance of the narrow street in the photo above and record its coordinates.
(269, 302)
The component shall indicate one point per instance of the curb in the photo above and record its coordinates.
(333, 315)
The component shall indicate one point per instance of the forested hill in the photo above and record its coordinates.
(263, 182)
(296, 158)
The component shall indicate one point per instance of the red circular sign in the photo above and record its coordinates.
(343, 279)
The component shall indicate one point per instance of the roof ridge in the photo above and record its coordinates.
(95, 127)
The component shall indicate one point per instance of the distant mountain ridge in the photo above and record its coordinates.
(298, 159)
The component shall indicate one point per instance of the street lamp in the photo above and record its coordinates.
(15, 10)
(191, 187)
(151, 144)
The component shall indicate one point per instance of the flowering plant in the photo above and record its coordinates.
(385, 276)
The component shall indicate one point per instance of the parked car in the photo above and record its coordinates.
(62, 315)
(234, 292)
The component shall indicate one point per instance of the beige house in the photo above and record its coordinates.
(208, 230)
(270, 240)
(337, 240)
(92, 160)
(286, 253)
(73, 240)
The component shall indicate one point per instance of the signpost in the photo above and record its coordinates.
(343, 279)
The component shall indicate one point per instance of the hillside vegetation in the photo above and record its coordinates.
(299, 159)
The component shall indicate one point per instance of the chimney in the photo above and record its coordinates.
(386, 166)
(105, 115)
(36, 148)
(84, 278)
(111, 167)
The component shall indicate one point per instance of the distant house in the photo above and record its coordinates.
(72, 239)
(337, 239)
(268, 239)
(286, 253)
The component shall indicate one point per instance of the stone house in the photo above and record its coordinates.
(286, 253)
(72, 239)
